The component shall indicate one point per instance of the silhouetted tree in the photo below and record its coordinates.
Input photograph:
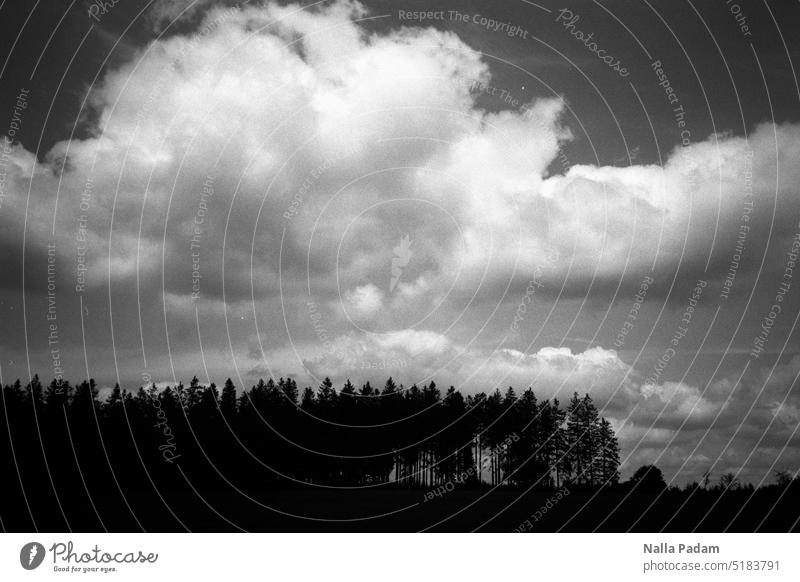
(783, 478)
(607, 459)
(269, 435)
(648, 478)
(583, 438)
(227, 402)
(729, 481)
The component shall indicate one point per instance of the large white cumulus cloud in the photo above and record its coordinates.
(359, 139)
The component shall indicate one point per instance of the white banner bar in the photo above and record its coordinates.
(399, 557)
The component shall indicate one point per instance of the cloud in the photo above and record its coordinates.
(685, 428)
(361, 139)
(263, 102)
(363, 302)
(164, 14)
(426, 355)
(275, 155)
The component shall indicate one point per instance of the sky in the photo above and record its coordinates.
(598, 197)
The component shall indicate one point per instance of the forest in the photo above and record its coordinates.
(396, 436)
(274, 457)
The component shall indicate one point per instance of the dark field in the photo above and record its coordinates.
(504, 510)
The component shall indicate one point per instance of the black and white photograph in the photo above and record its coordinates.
(400, 266)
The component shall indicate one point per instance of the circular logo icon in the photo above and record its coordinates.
(31, 555)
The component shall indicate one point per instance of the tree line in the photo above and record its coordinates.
(275, 435)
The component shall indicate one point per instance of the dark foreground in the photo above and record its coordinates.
(370, 510)
(193, 459)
